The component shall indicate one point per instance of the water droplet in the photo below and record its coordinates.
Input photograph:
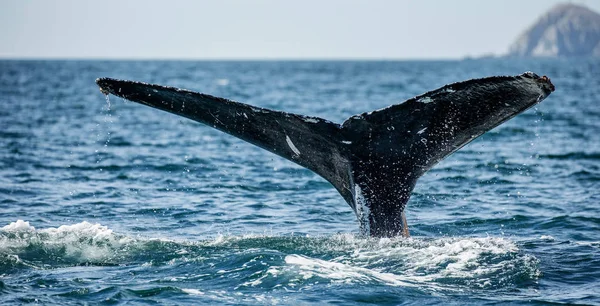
(108, 102)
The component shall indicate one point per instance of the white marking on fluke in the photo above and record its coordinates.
(421, 131)
(291, 145)
(259, 110)
(425, 100)
(540, 98)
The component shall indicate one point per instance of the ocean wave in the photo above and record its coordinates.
(572, 156)
(75, 244)
(270, 262)
(430, 264)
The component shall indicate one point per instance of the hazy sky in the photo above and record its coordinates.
(264, 29)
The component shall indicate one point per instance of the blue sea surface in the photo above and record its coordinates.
(109, 201)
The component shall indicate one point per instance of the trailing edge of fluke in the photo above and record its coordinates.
(373, 159)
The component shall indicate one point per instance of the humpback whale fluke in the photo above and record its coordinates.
(373, 159)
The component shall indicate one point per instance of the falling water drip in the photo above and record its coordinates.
(108, 101)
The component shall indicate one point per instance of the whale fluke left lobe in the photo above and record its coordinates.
(311, 142)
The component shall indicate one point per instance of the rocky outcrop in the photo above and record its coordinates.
(567, 30)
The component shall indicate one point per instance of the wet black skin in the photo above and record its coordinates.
(383, 152)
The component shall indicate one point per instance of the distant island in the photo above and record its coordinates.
(567, 30)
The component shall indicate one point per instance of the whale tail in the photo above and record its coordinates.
(373, 159)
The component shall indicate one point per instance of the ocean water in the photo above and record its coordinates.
(108, 201)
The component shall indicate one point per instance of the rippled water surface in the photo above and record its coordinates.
(111, 201)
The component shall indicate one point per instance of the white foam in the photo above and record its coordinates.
(221, 240)
(79, 242)
(340, 272)
(86, 229)
(18, 226)
(459, 258)
(192, 291)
